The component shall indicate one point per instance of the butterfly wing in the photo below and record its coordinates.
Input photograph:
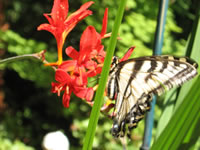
(135, 80)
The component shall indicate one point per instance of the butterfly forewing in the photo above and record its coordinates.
(134, 81)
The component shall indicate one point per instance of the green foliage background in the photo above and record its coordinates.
(31, 109)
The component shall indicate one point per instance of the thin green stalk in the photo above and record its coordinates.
(88, 141)
(15, 58)
(39, 55)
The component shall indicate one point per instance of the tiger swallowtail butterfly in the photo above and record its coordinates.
(134, 81)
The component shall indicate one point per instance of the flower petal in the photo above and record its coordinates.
(80, 92)
(83, 8)
(55, 87)
(66, 98)
(47, 27)
(84, 93)
(48, 18)
(68, 65)
(89, 94)
(104, 24)
(62, 77)
(128, 54)
(95, 72)
(59, 11)
(90, 39)
(56, 31)
(81, 76)
(91, 65)
(71, 52)
(71, 22)
(77, 16)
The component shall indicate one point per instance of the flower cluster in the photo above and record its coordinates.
(72, 75)
(60, 25)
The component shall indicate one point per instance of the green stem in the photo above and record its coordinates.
(38, 56)
(88, 141)
(15, 58)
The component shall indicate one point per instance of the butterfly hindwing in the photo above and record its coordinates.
(134, 81)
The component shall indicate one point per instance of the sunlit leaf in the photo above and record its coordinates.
(181, 121)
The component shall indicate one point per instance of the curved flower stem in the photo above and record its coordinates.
(15, 58)
(38, 56)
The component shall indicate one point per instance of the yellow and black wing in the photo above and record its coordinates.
(134, 81)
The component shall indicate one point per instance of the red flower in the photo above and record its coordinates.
(60, 25)
(90, 49)
(67, 83)
(72, 75)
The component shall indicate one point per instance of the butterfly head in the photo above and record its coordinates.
(115, 60)
(118, 130)
(114, 63)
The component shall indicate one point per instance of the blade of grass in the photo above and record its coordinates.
(193, 133)
(186, 126)
(192, 136)
(169, 103)
(181, 121)
(193, 51)
(88, 141)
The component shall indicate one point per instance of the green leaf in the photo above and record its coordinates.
(181, 122)
(192, 51)
(168, 111)
(102, 83)
(192, 136)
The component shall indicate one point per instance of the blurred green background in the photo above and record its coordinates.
(28, 109)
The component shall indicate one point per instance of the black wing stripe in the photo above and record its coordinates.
(177, 80)
(111, 88)
(136, 66)
(153, 66)
(165, 63)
